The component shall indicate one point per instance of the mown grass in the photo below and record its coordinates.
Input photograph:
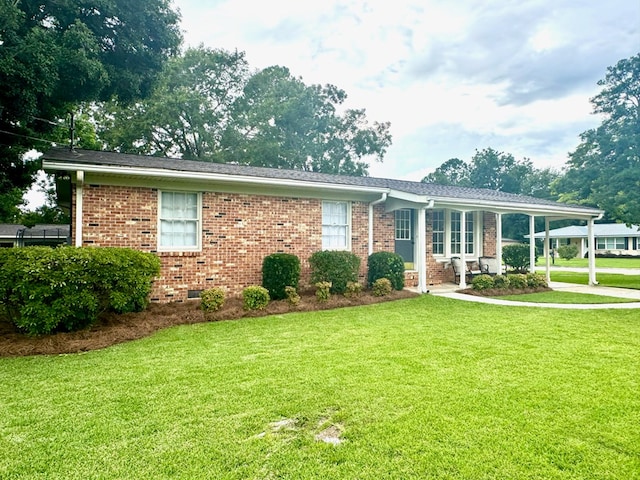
(564, 298)
(600, 262)
(427, 388)
(604, 279)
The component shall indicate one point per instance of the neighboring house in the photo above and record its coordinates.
(213, 224)
(15, 235)
(610, 239)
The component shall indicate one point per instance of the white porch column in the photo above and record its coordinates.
(546, 249)
(592, 253)
(499, 241)
(532, 243)
(78, 212)
(463, 258)
(422, 250)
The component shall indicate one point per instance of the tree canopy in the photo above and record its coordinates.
(209, 106)
(54, 55)
(604, 170)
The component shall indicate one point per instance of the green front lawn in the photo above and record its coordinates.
(604, 279)
(600, 262)
(427, 388)
(564, 297)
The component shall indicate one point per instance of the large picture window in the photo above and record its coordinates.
(610, 243)
(335, 226)
(446, 235)
(179, 221)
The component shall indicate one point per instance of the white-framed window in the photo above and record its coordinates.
(447, 233)
(336, 225)
(438, 233)
(179, 221)
(610, 243)
(403, 224)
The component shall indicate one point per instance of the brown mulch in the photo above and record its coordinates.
(501, 292)
(112, 328)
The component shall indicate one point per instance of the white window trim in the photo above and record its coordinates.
(349, 225)
(198, 246)
(477, 236)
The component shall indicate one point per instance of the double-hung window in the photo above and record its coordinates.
(336, 229)
(179, 221)
(437, 236)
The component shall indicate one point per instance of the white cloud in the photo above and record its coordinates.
(449, 76)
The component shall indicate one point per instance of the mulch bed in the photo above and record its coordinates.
(112, 329)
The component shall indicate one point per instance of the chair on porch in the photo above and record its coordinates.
(489, 266)
(459, 267)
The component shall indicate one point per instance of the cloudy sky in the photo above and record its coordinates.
(450, 76)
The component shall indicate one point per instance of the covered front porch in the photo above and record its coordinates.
(429, 232)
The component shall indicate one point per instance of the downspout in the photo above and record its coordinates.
(78, 215)
(371, 205)
(422, 246)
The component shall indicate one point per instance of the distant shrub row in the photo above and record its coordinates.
(43, 290)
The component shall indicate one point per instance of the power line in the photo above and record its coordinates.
(29, 137)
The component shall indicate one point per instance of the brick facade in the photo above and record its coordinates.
(238, 231)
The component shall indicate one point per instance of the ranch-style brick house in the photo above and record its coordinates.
(212, 224)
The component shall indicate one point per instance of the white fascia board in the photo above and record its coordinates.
(199, 176)
(528, 208)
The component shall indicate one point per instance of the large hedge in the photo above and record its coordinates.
(336, 267)
(386, 265)
(279, 271)
(43, 290)
(517, 257)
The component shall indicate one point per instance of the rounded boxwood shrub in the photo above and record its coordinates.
(482, 282)
(212, 299)
(43, 290)
(336, 267)
(535, 280)
(567, 252)
(280, 270)
(381, 287)
(517, 257)
(501, 281)
(517, 280)
(255, 298)
(386, 265)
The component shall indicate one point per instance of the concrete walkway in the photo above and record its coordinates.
(632, 295)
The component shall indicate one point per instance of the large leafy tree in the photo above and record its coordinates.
(186, 114)
(495, 170)
(604, 170)
(281, 122)
(54, 55)
(209, 106)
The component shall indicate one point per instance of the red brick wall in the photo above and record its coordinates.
(238, 231)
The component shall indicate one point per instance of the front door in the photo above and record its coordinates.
(404, 242)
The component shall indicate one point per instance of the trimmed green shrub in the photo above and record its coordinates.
(212, 299)
(500, 281)
(323, 291)
(280, 270)
(255, 298)
(386, 265)
(292, 296)
(535, 280)
(335, 266)
(43, 290)
(353, 290)
(567, 252)
(482, 282)
(516, 257)
(517, 280)
(382, 287)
